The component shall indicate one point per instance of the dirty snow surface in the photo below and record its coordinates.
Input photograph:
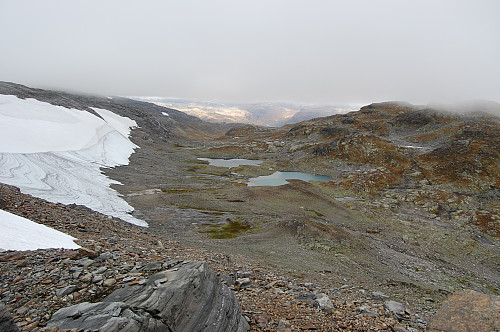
(57, 153)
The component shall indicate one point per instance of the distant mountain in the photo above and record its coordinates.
(262, 114)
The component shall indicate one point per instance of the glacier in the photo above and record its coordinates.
(57, 153)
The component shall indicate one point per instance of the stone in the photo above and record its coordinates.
(100, 270)
(186, 297)
(104, 256)
(378, 296)
(85, 262)
(71, 254)
(106, 316)
(15, 256)
(109, 282)
(467, 310)
(243, 283)
(395, 307)
(6, 322)
(244, 274)
(66, 290)
(323, 302)
(153, 266)
(87, 252)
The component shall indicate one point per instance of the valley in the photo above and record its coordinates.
(410, 209)
(386, 221)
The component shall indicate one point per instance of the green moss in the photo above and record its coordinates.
(492, 289)
(229, 231)
(315, 212)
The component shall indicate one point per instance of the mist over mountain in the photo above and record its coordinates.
(271, 114)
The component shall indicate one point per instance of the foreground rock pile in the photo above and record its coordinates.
(187, 296)
(35, 284)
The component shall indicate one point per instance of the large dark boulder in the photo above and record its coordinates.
(188, 296)
(6, 322)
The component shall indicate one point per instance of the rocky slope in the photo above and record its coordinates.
(35, 284)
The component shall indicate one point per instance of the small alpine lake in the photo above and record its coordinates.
(280, 178)
(230, 163)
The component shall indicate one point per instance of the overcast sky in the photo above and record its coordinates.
(257, 50)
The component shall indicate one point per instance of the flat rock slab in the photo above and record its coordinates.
(188, 296)
(468, 310)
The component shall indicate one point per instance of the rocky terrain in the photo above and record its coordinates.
(410, 216)
(35, 284)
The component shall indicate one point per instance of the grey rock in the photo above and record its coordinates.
(128, 279)
(367, 311)
(395, 307)
(96, 278)
(186, 297)
(100, 270)
(106, 316)
(85, 262)
(6, 322)
(227, 279)
(76, 269)
(66, 290)
(243, 283)
(109, 282)
(306, 297)
(244, 274)
(310, 286)
(104, 256)
(400, 329)
(153, 266)
(323, 302)
(378, 296)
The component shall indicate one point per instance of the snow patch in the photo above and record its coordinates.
(57, 153)
(165, 113)
(19, 233)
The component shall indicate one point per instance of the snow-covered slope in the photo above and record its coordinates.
(56, 153)
(19, 233)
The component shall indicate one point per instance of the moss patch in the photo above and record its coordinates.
(228, 231)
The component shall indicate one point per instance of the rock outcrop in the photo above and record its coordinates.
(6, 321)
(468, 311)
(188, 296)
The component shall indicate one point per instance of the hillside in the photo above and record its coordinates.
(411, 214)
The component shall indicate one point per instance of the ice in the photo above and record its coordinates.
(19, 233)
(57, 153)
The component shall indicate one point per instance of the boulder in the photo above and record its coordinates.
(323, 302)
(6, 322)
(467, 310)
(395, 307)
(188, 296)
